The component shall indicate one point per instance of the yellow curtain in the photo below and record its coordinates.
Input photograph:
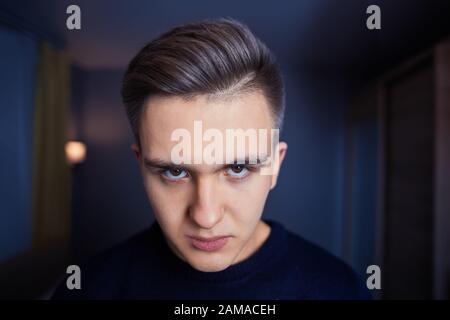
(51, 174)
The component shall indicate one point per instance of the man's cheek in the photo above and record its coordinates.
(168, 205)
(254, 190)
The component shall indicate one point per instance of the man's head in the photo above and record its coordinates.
(219, 73)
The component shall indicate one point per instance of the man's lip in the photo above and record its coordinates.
(208, 239)
(209, 244)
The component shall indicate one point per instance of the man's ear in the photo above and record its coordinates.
(282, 149)
(136, 151)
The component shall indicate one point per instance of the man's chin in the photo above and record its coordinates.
(208, 263)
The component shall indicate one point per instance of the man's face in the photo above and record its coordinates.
(195, 203)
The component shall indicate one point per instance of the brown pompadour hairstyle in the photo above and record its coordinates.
(213, 57)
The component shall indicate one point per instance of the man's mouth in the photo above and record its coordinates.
(209, 244)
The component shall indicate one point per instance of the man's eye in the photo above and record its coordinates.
(237, 171)
(174, 174)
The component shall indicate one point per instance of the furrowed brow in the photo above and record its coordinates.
(162, 164)
(158, 163)
(246, 160)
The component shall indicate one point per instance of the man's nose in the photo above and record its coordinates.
(205, 210)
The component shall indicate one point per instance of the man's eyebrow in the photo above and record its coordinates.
(162, 164)
(251, 160)
(158, 163)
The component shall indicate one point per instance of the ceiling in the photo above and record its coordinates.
(319, 34)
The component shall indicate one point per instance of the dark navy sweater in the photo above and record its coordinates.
(284, 267)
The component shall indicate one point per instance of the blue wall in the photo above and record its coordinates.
(18, 56)
(306, 198)
(364, 194)
(109, 200)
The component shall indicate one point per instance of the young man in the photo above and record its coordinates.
(209, 241)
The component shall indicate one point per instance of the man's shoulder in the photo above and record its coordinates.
(320, 274)
(103, 274)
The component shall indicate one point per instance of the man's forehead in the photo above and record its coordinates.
(162, 114)
(199, 131)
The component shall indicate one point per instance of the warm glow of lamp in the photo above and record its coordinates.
(75, 152)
